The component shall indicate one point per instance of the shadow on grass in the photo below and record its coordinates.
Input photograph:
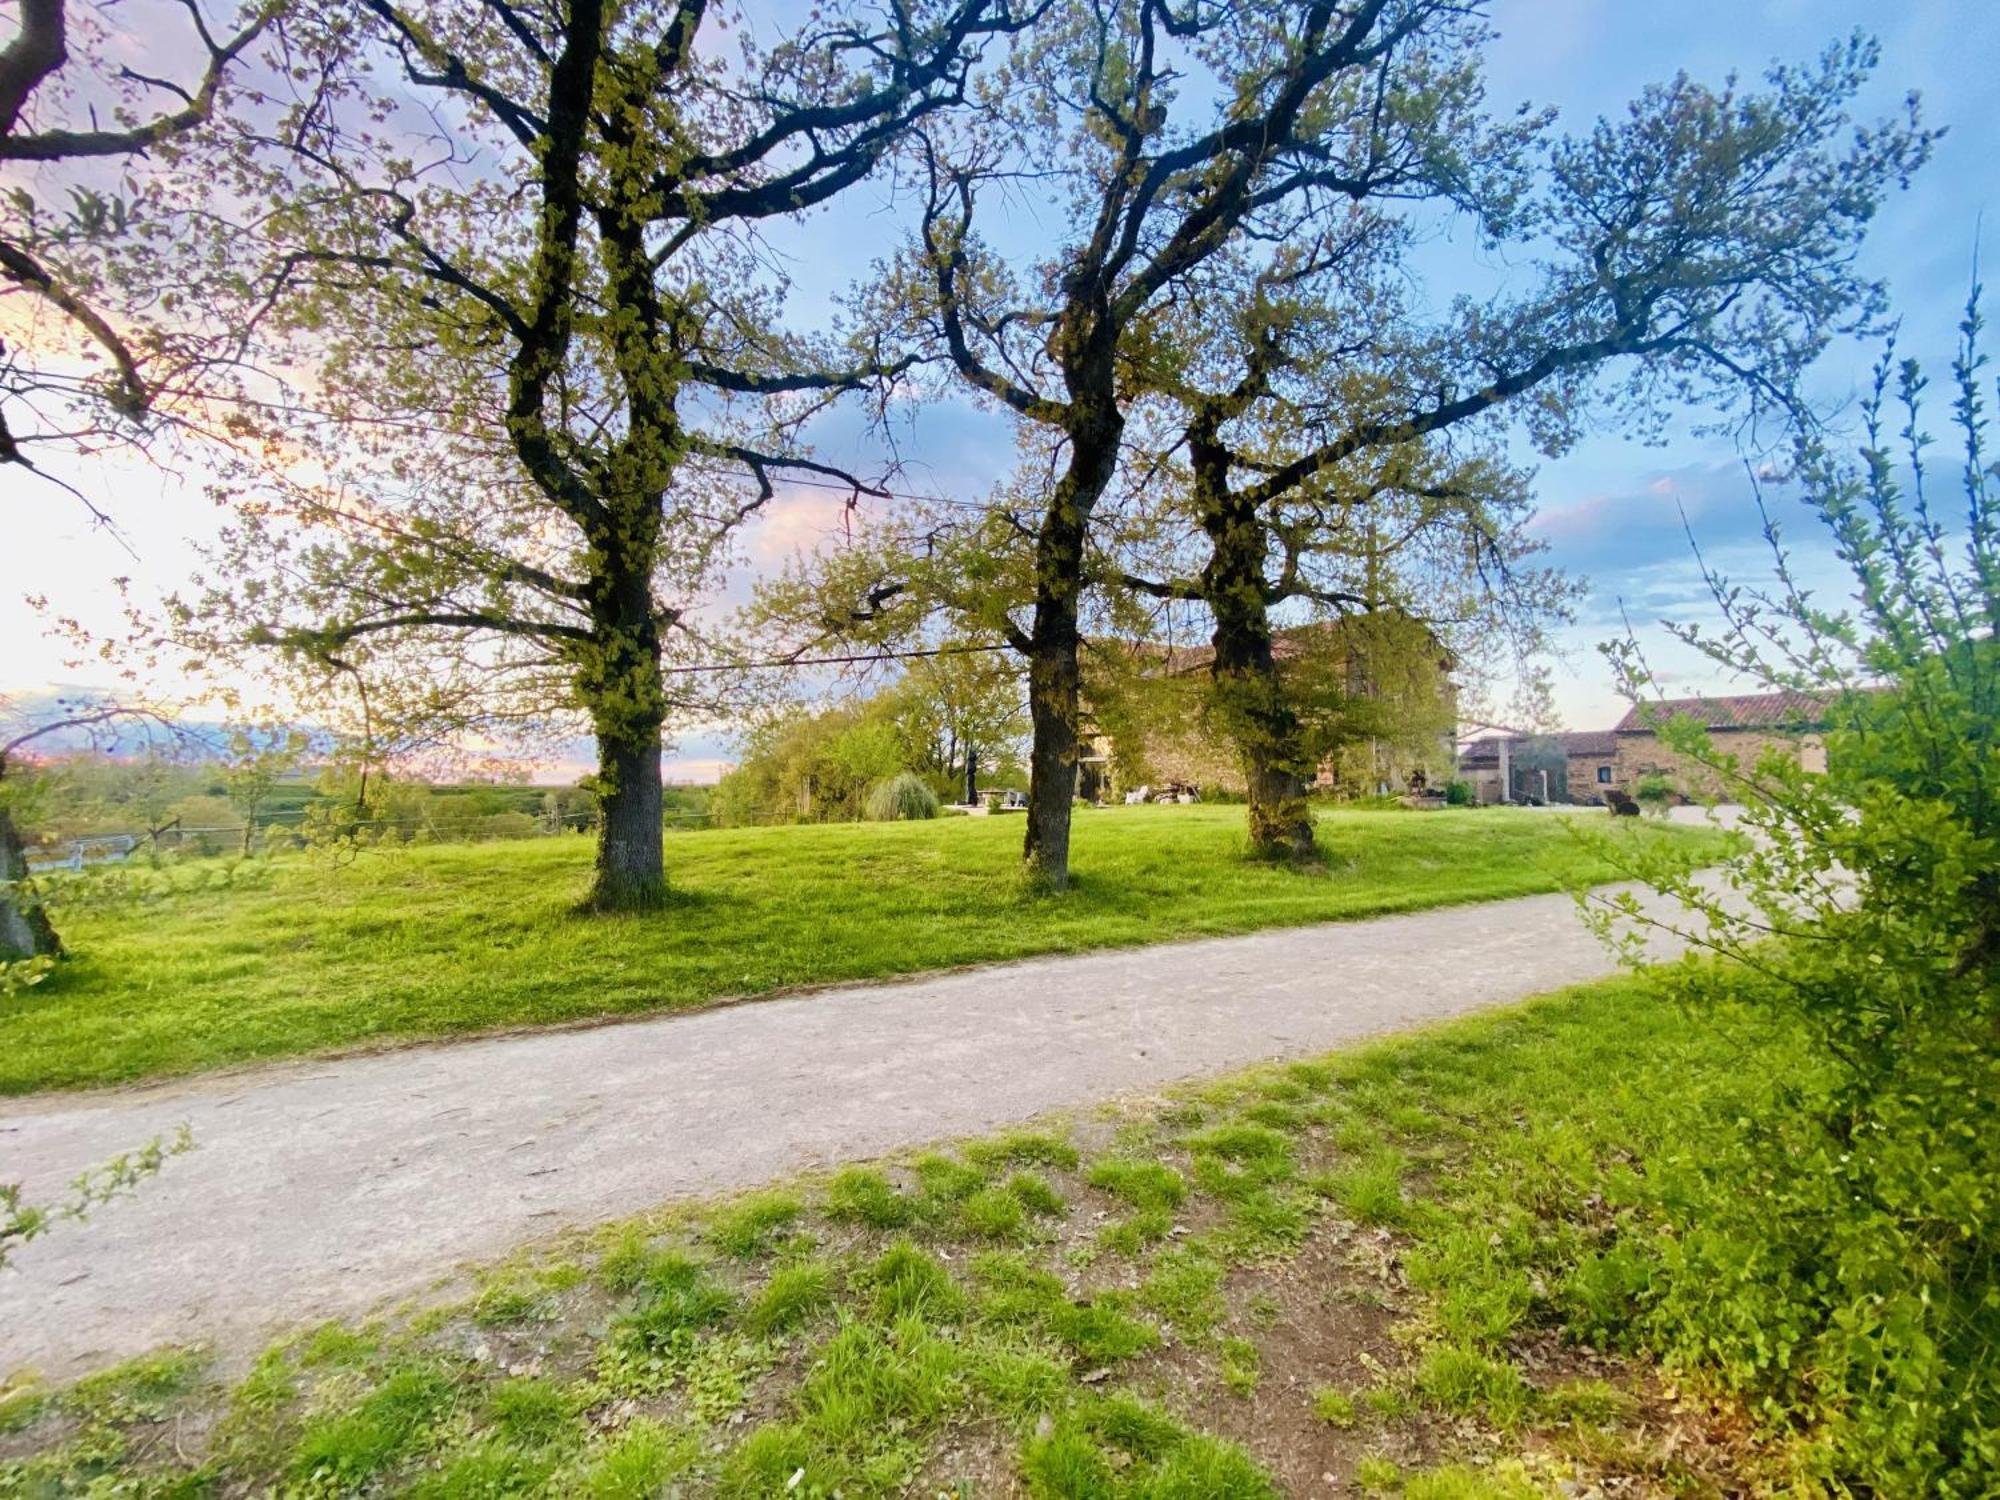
(669, 901)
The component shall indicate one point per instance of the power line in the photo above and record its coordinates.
(872, 491)
(833, 661)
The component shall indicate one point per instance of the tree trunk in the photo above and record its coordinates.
(1054, 702)
(1267, 733)
(1250, 698)
(25, 931)
(1055, 675)
(631, 857)
(627, 694)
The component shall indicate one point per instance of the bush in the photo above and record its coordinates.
(1857, 1294)
(1654, 793)
(905, 795)
(1458, 794)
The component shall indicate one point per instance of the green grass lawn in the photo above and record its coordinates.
(430, 942)
(1369, 1274)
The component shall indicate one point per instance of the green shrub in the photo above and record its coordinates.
(1654, 792)
(1854, 1288)
(905, 796)
(1459, 794)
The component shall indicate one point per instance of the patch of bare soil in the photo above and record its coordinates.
(977, 1460)
(1323, 1318)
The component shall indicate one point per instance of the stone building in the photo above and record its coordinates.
(1594, 762)
(1401, 706)
(1744, 726)
(1566, 767)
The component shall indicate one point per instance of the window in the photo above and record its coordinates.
(1604, 776)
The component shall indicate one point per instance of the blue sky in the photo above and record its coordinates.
(1610, 510)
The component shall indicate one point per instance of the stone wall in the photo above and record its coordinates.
(1191, 756)
(1642, 754)
(1585, 784)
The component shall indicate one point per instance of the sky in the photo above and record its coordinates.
(1610, 511)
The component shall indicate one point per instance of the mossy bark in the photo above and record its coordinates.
(631, 858)
(624, 685)
(1250, 697)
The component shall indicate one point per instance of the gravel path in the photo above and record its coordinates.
(319, 1188)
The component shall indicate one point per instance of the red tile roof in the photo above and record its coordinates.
(1286, 643)
(1588, 742)
(1486, 752)
(1786, 710)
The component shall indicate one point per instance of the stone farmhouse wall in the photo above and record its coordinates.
(1192, 756)
(1641, 754)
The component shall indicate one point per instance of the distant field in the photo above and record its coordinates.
(443, 940)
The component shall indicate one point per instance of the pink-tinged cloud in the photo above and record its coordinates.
(797, 519)
(1614, 538)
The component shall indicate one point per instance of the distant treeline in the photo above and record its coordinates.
(204, 808)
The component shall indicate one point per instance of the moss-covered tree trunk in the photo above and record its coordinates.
(631, 859)
(1250, 697)
(627, 696)
(25, 930)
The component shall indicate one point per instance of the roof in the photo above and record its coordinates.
(1787, 710)
(1588, 742)
(1287, 642)
(1486, 752)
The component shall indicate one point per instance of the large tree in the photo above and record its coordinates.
(525, 251)
(1172, 132)
(1417, 559)
(1197, 148)
(1703, 250)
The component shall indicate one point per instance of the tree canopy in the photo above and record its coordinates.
(520, 252)
(1239, 190)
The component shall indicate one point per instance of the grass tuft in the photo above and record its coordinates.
(1143, 1184)
(747, 1227)
(792, 1295)
(862, 1195)
(909, 1283)
(1334, 1407)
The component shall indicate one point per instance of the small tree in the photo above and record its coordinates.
(957, 703)
(1861, 1290)
(256, 764)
